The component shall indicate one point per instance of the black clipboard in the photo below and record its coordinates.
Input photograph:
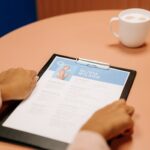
(40, 142)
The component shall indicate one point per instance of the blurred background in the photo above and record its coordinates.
(17, 13)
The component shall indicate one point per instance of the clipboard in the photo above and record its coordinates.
(42, 142)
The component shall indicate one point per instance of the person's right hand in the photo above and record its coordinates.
(112, 120)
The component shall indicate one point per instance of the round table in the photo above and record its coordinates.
(84, 35)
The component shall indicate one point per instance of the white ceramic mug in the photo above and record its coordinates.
(134, 25)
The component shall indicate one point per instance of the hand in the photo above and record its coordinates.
(17, 83)
(112, 120)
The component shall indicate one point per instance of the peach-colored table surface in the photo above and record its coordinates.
(84, 35)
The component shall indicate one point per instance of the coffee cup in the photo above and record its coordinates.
(134, 25)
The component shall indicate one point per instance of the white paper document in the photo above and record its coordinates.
(65, 97)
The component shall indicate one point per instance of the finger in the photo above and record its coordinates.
(130, 110)
(33, 73)
(122, 101)
(32, 86)
(37, 78)
(128, 132)
(128, 126)
(117, 104)
(34, 81)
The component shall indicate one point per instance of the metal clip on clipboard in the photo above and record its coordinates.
(92, 63)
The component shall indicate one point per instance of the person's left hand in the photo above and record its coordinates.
(17, 83)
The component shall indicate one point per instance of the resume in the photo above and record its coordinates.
(65, 97)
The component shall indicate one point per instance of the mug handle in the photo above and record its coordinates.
(111, 28)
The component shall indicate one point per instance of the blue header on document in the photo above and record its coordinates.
(111, 75)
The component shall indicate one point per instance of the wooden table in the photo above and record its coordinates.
(84, 35)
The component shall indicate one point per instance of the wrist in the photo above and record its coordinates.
(99, 129)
